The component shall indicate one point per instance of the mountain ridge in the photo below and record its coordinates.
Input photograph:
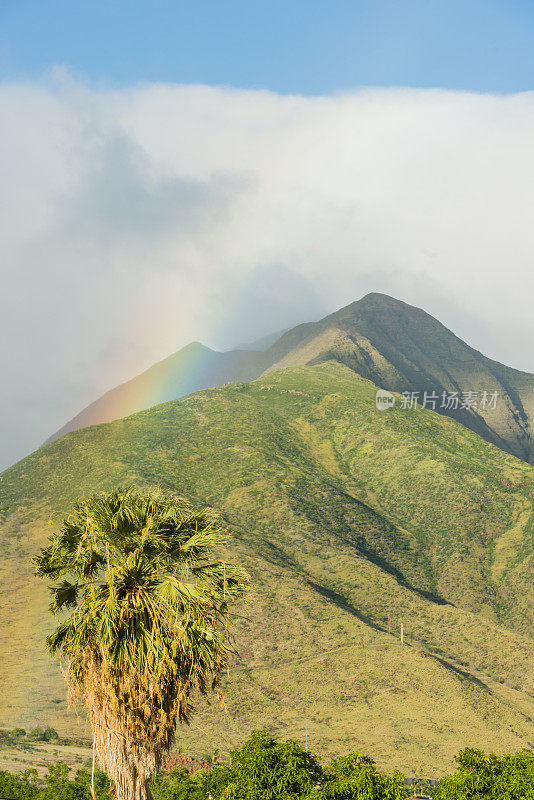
(397, 346)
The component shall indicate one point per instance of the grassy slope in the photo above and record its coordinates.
(20, 757)
(350, 522)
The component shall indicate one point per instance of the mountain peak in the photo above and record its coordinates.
(378, 297)
(195, 347)
(374, 301)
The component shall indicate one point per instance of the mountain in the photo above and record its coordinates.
(397, 346)
(402, 348)
(351, 522)
(190, 369)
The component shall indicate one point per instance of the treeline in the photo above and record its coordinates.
(10, 737)
(264, 769)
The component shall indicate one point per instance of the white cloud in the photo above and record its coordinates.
(136, 220)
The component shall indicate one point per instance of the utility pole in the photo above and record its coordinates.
(402, 633)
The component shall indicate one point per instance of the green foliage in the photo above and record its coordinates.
(355, 777)
(24, 786)
(12, 736)
(47, 734)
(180, 785)
(177, 785)
(50, 735)
(57, 785)
(264, 769)
(482, 776)
(214, 781)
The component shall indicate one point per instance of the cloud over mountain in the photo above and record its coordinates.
(135, 220)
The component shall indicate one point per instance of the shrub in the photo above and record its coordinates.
(57, 785)
(177, 785)
(482, 776)
(50, 735)
(355, 777)
(264, 769)
(23, 786)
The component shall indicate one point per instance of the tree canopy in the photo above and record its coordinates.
(486, 776)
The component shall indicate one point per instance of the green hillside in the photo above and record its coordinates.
(350, 521)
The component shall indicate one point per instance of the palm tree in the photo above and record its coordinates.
(149, 621)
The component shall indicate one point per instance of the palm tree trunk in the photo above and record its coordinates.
(131, 787)
(129, 764)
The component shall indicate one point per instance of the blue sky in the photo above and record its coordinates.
(288, 46)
